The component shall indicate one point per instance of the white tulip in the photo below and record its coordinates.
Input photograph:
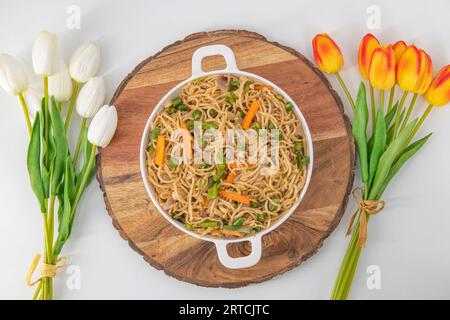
(43, 53)
(103, 126)
(85, 62)
(91, 97)
(13, 78)
(33, 98)
(60, 83)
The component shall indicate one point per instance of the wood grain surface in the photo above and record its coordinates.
(195, 261)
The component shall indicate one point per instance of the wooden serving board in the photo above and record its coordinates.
(193, 260)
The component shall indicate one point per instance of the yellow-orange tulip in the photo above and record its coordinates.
(382, 68)
(327, 54)
(438, 93)
(366, 48)
(426, 73)
(399, 48)
(414, 70)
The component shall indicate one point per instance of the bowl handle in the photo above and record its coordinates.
(217, 49)
(241, 262)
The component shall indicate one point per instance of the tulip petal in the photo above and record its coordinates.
(366, 48)
(382, 68)
(399, 48)
(438, 94)
(327, 54)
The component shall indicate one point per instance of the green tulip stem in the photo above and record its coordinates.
(372, 104)
(77, 150)
(391, 98)
(382, 99)
(420, 122)
(84, 180)
(25, 112)
(46, 110)
(347, 93)
(399, 112)
(71, 105)
(408, 113)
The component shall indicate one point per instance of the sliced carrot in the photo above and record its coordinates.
(215, 232)
(206, 203)
(248, 118)
(231, 233)
(235, 165)
(160, 146)
(230, 177)
(242, 198)
(187, 140)
(260, 87)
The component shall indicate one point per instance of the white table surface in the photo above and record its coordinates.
(409, 241)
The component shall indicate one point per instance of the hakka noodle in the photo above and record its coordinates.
(227, 199)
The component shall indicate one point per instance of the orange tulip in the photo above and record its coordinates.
(382, 68)
(366, 48)
(327, 54)
(414, 70)
(438, 94)
(399, 48)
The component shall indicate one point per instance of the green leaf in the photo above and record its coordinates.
(406, 155)
(64, 225)
(379, 145)
(61, 146)
(391, 115)
(388, 119)
(34, 164)
(45, 170)
(390, 133)
(64, 215)
(393, 151)
(359, 131)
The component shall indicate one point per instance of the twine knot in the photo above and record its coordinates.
(365, 209)
(47, 270)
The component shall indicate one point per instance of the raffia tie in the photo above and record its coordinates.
(47, 270)
(365, 208)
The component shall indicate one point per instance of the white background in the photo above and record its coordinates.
(409, 240)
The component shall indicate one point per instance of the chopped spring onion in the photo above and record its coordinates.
(196, 114)
(176, 102)
(154, 134)
(190, 124)
(238, 222)
(171, 110)
(231, 98)
(234, 84)
(260, 217)
(288, 106)
(255, 204)
(207, 224)
(213, 191)
(209, 125)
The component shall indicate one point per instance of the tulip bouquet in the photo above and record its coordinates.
(389, 145)
(57, 179)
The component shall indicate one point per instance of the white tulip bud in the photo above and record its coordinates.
(91, 97)
(60, 83)
(33, 99)
(13, 78)
(103, 126)
(43, 53)
(85, 62)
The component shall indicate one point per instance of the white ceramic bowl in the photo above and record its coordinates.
(221, 244)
